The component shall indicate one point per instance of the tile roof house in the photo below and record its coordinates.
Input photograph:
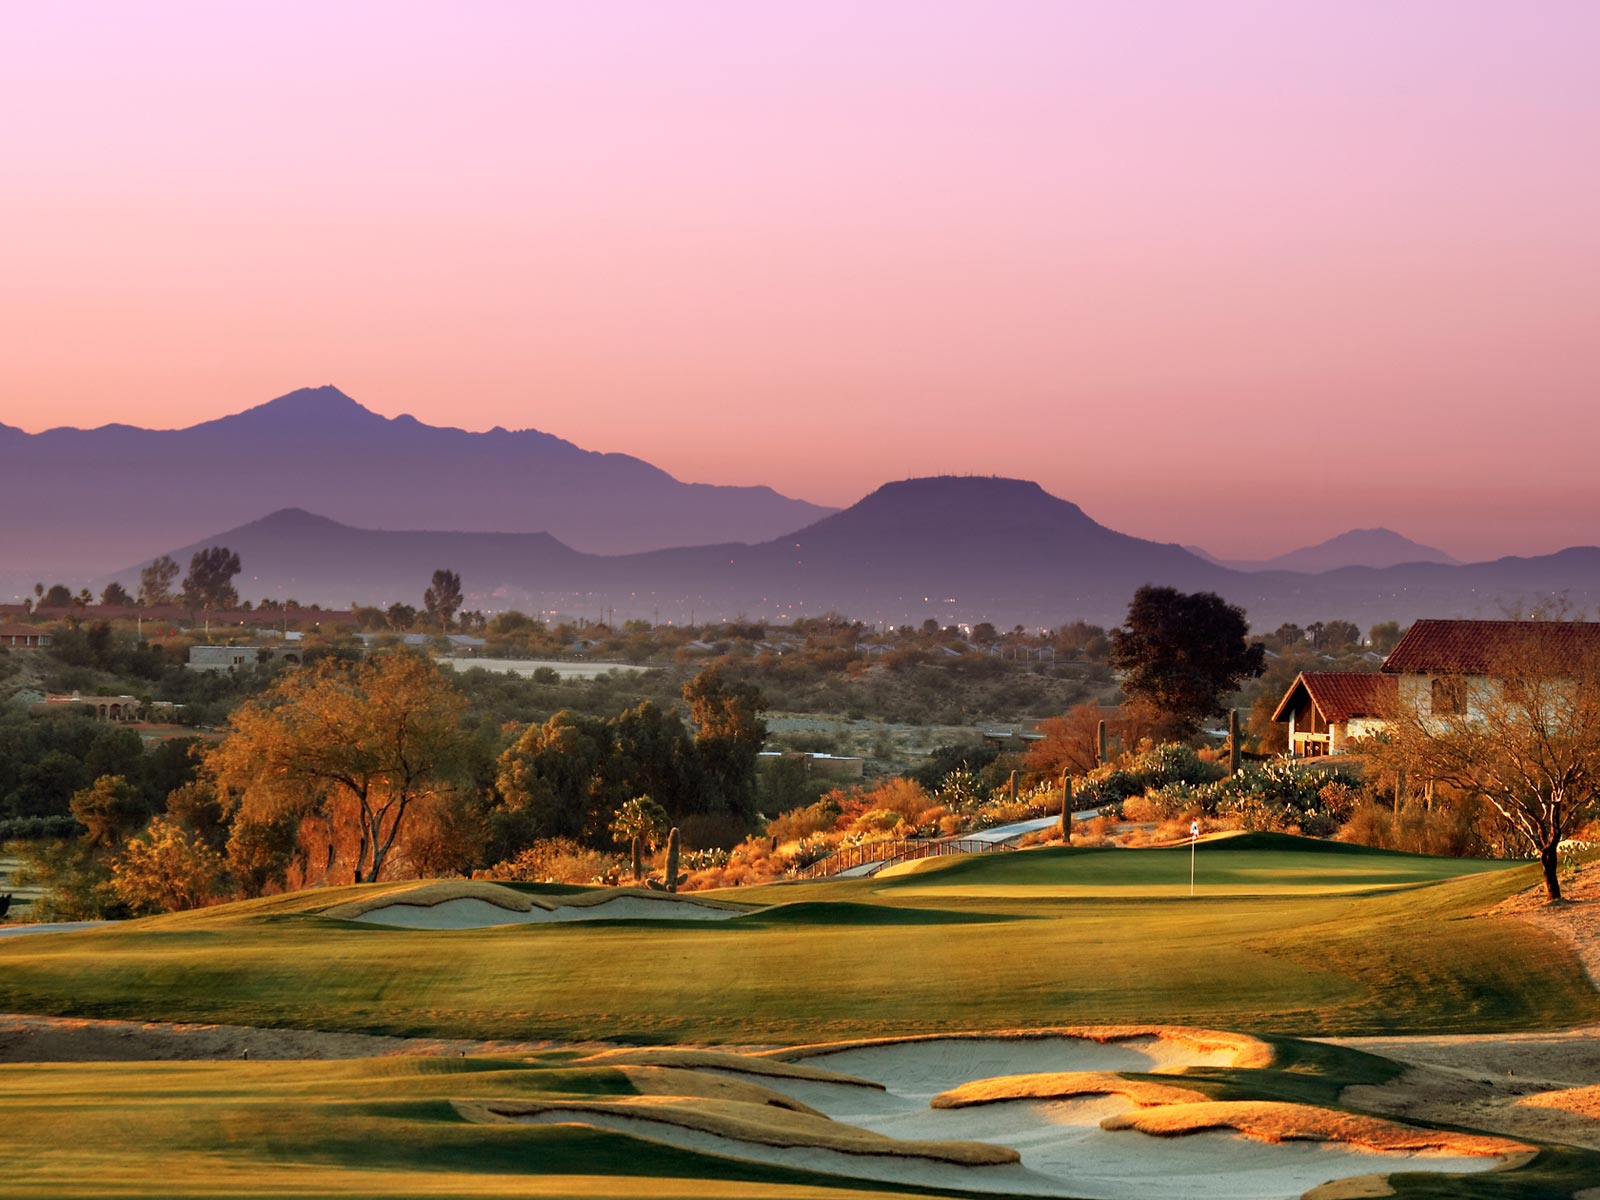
(1326, 709)
(1436, 669)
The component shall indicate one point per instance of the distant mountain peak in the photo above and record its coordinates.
(1377, 547)
(319, 404)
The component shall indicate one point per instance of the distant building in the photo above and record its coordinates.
(115, 709)
(23, 637)
(236, 658)
(825, 766)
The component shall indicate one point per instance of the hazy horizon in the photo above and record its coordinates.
(1239, 275)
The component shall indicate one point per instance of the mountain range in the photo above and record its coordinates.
(1354, 548)
(91, 495)
(953, 548)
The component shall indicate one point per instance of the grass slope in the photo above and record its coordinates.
(998, 941)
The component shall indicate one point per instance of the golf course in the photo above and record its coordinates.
(516, 1077)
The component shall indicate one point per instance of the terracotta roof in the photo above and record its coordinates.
(1475, 647)
(10, 631)
(1340, 695)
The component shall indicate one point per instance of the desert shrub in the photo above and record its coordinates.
(167, 868)
(32, 829)
(1459, 828)
(556, 860)
(803, 822)
(877, 820)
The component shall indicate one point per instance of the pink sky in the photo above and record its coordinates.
(1241, 274)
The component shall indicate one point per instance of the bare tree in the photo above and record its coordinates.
(1520, 728)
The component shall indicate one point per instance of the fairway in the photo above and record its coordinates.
(1309, 946)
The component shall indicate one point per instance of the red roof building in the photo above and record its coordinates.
(23, 636)
(1325, 710)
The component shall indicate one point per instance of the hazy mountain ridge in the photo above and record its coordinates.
(1377, 547)
(955, 548)
(318, 449)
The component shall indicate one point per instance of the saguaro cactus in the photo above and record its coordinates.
(1100, 743)
(672, 859)
(1233, 741)
(1066, 807)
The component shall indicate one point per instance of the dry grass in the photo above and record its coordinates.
(1581, 1101)
(762, 1125)
(590, 899)
(1061, 1085)
(672, 1084)
(1247, 1051)
(714, 1060)
(1274, 1121)
(426, 895)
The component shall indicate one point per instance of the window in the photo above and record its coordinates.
(1449, 697)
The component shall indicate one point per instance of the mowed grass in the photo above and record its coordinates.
(1262, 864)
(367, 1128)
(1000, 941)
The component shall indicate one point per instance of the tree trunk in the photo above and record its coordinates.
(1550, 861)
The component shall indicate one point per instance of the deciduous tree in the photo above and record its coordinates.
(1183, 653)
(156, 580)
(209, 583)
(115, 596)
(358, 745)
(1526, 738)
(442, 598)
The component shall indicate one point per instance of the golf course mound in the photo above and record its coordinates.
(1580, 1101)
(472, 904)
(773, 1126)
(1064, 1085)
(1278, 1121)
(716, 1060)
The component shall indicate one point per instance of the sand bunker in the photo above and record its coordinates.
(468, 904)
(1070, 1123)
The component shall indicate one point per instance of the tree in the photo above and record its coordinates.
(729, 734)
(1384, 636)
(209, 583)
(1521, 733)
(59, 596)
(167, 869)
(401, 617)
(442, 598)
(642, 823)
(1070, 742)
(1183, 653)
(1341, 635)
(115, 596)
(109, 810)
(356, 745)
(156, 580)
(551, 773)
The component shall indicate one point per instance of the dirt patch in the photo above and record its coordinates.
(1582, 1102)
(25, 1039)
(1575, 919)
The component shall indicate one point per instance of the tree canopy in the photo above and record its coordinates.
(156, 580)
(442, 598)
(1182, 653)
(209, 583)
(355, 745)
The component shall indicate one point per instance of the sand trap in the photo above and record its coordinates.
(478, 905)
(480, 914)
(1084, 1145)
(928, 1066)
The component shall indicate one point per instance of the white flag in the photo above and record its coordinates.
(1194, 829)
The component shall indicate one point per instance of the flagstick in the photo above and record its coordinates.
(1194, 836)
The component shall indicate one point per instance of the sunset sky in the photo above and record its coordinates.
(1240, 274)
